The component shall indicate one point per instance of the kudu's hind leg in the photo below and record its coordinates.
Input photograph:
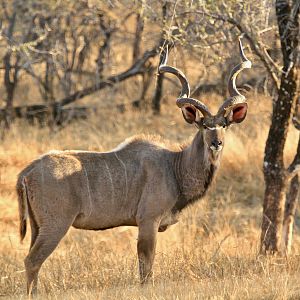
(45, 243)
(146, 248)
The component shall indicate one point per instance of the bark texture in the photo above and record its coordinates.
(275, 173)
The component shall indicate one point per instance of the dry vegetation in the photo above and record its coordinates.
(211, 254)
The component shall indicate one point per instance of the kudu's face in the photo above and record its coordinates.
(213, 133)
(233, 110)
(214, 127)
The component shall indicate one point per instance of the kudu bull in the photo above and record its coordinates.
(140, 183)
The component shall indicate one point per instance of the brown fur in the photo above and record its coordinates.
(144, 182)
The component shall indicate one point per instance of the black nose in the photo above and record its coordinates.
(216, 144)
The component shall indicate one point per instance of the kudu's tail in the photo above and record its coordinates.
(23, 206)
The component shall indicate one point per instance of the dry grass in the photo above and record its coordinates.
(210, 254)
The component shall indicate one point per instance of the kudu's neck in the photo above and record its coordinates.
(195, 167)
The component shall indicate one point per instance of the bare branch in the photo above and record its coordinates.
(293, 170)
(278, 68)
(254, 44)
(136, 69)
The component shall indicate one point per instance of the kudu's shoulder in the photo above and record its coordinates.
(147, 143)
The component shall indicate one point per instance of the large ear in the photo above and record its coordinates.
(237, 113)
(189, 113)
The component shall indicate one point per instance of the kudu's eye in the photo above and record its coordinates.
(224, 126)
(204, 126)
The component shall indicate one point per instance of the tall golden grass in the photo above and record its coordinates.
(212, 253)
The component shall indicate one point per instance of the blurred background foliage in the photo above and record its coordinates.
(83, 75)
(55, 53)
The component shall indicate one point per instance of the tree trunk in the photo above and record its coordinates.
(139, 28)
(289, 214)
(138, 36)
(9, 105)
(274, 170)
(291, 200)
(147, 77)
(157, 94)
(104, 48)
(8, 82)
(273, 211)
(159, 83)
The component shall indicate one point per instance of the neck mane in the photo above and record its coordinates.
(195, 169)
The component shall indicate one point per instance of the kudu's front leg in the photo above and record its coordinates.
(146, 248)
